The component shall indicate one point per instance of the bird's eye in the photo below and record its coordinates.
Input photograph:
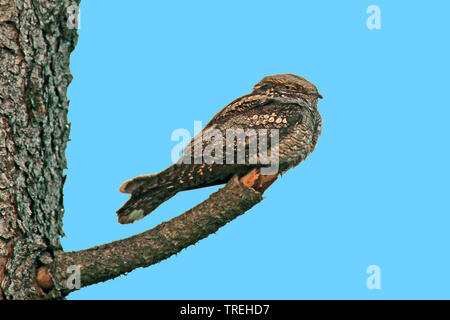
(290, 87)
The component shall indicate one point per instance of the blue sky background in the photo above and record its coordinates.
(375, 191)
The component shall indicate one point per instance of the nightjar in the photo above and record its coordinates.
(280, 114)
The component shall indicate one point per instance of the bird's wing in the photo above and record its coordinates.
(247, 102)
(240, 105)
(247, 112)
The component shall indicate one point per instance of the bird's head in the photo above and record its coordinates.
(287, 84)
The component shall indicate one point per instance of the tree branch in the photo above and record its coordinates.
(110, 260)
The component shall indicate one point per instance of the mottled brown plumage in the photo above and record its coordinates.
(285, 102)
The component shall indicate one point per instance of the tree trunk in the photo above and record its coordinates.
(35, 47)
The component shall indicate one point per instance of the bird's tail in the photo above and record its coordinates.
(147, 193)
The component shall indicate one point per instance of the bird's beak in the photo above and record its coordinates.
(319, 95)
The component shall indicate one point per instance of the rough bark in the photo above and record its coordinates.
(108, 261)
(35, 47)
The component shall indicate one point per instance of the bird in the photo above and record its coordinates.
(285, 104)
